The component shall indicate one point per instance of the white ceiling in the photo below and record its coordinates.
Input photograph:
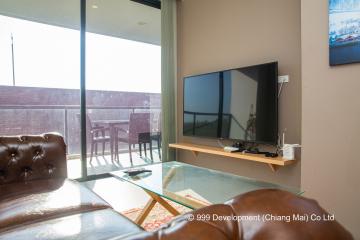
(118, 18)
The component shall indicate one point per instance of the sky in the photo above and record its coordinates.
(49, 56)
(344, 5)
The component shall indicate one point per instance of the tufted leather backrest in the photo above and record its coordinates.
(26, 158)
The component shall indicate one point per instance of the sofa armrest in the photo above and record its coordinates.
(186, 227)
(237, 220)
(32, 157)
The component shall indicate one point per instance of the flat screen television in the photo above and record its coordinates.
(238, 104)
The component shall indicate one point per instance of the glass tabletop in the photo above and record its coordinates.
(195, 187)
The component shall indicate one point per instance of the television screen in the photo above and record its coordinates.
(238, 104)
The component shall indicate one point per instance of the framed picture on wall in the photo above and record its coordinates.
(344, 31)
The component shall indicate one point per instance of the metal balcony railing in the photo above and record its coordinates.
(36, 119)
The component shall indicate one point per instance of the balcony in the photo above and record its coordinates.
(33, 110)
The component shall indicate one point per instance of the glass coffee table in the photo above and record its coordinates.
(191, 186)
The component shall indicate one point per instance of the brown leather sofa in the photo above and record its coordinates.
(261, 202)
(38, 202)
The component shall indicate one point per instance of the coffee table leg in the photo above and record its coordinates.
(145, 212)
(154, 198)
(164, 203)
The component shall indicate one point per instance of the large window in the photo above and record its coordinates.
(123, 83)
(40, 80)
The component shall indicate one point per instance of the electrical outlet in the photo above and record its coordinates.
(283, 79)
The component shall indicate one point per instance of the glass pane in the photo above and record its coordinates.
(40, 71)
(195, 187)
(123, 81)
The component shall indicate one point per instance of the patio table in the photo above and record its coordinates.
(111, 124)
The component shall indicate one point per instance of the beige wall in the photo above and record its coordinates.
(215, 35)
(330, 168)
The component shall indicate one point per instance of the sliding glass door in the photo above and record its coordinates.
(41, 79)
(123, 82)
(39, 71)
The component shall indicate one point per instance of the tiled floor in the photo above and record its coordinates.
(104, 164)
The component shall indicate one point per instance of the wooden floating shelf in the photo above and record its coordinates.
(273, 163)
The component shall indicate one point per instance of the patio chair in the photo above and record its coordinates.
(95, 135)
(156, 133)
(138, 132)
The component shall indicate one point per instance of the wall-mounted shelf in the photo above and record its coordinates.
(273, 163)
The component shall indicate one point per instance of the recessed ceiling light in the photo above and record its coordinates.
(94, 6)
(141, 23)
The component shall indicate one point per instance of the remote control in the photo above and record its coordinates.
(136, 171)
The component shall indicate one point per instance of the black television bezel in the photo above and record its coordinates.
(273, 143)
